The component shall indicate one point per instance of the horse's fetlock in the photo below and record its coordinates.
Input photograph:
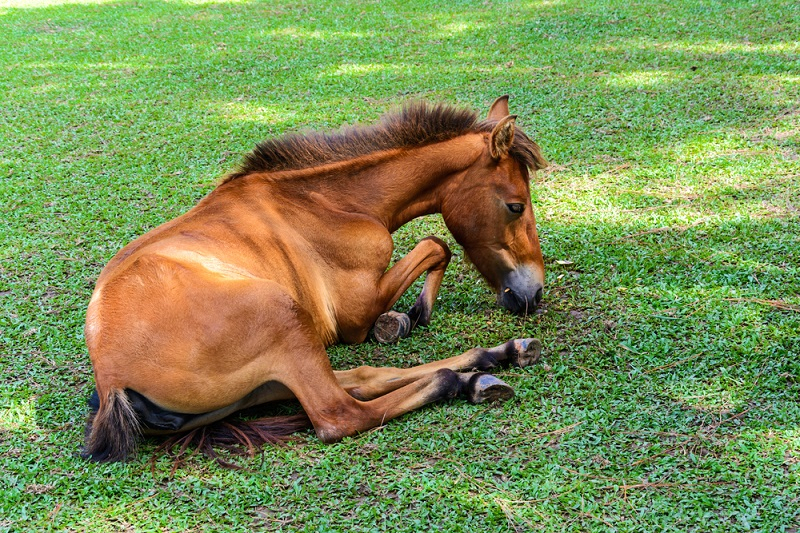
(486, 361)
(450, 384)
(420, 316)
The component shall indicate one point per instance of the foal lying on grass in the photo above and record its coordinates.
(233, 304)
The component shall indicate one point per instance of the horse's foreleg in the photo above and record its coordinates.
(366, 382)
(431, 255)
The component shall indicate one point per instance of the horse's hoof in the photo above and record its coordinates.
(484, 388)
(391, 326)
(526, 352)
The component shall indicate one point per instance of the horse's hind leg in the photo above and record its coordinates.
(431, 255)
(368, 382)
(335, 413)
(371, 383)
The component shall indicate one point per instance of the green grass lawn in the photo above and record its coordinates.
(668, 398)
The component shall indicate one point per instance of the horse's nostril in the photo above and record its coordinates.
(537, 297)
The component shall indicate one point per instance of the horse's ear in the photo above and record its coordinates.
(499, 108)
(502, 137)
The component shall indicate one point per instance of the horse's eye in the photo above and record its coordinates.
(516, 208)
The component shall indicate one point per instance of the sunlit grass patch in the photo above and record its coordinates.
(249, 112)
(642, 79)
(34, 4)
(17, 415)
(346, 69)
(207, 2)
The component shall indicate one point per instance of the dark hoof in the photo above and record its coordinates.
(391, 326)
(526, 352)
(484, 388)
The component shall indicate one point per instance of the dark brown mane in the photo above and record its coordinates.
(417, 124)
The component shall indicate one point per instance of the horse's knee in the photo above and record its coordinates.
(445, 252)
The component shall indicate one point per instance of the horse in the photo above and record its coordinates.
(233, 304)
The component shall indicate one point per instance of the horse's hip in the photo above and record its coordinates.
(191, 342)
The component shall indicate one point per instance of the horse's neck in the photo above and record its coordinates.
(395, 186)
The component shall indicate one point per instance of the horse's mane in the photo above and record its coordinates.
(417, 124)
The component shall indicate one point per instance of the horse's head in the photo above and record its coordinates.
(490, 213)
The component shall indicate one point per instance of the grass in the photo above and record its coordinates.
(670, 222)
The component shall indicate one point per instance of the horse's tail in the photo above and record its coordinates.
(112, 429)
(236, 436)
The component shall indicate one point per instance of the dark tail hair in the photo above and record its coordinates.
(237, 437)
(112, 428)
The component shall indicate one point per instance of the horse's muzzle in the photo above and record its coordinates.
(520, 292)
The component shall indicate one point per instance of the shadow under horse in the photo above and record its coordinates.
(233, 304)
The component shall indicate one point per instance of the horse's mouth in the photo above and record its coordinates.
(519, 302)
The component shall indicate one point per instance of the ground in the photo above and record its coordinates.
(667, 397)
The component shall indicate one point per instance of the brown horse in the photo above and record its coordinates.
(234, 303)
